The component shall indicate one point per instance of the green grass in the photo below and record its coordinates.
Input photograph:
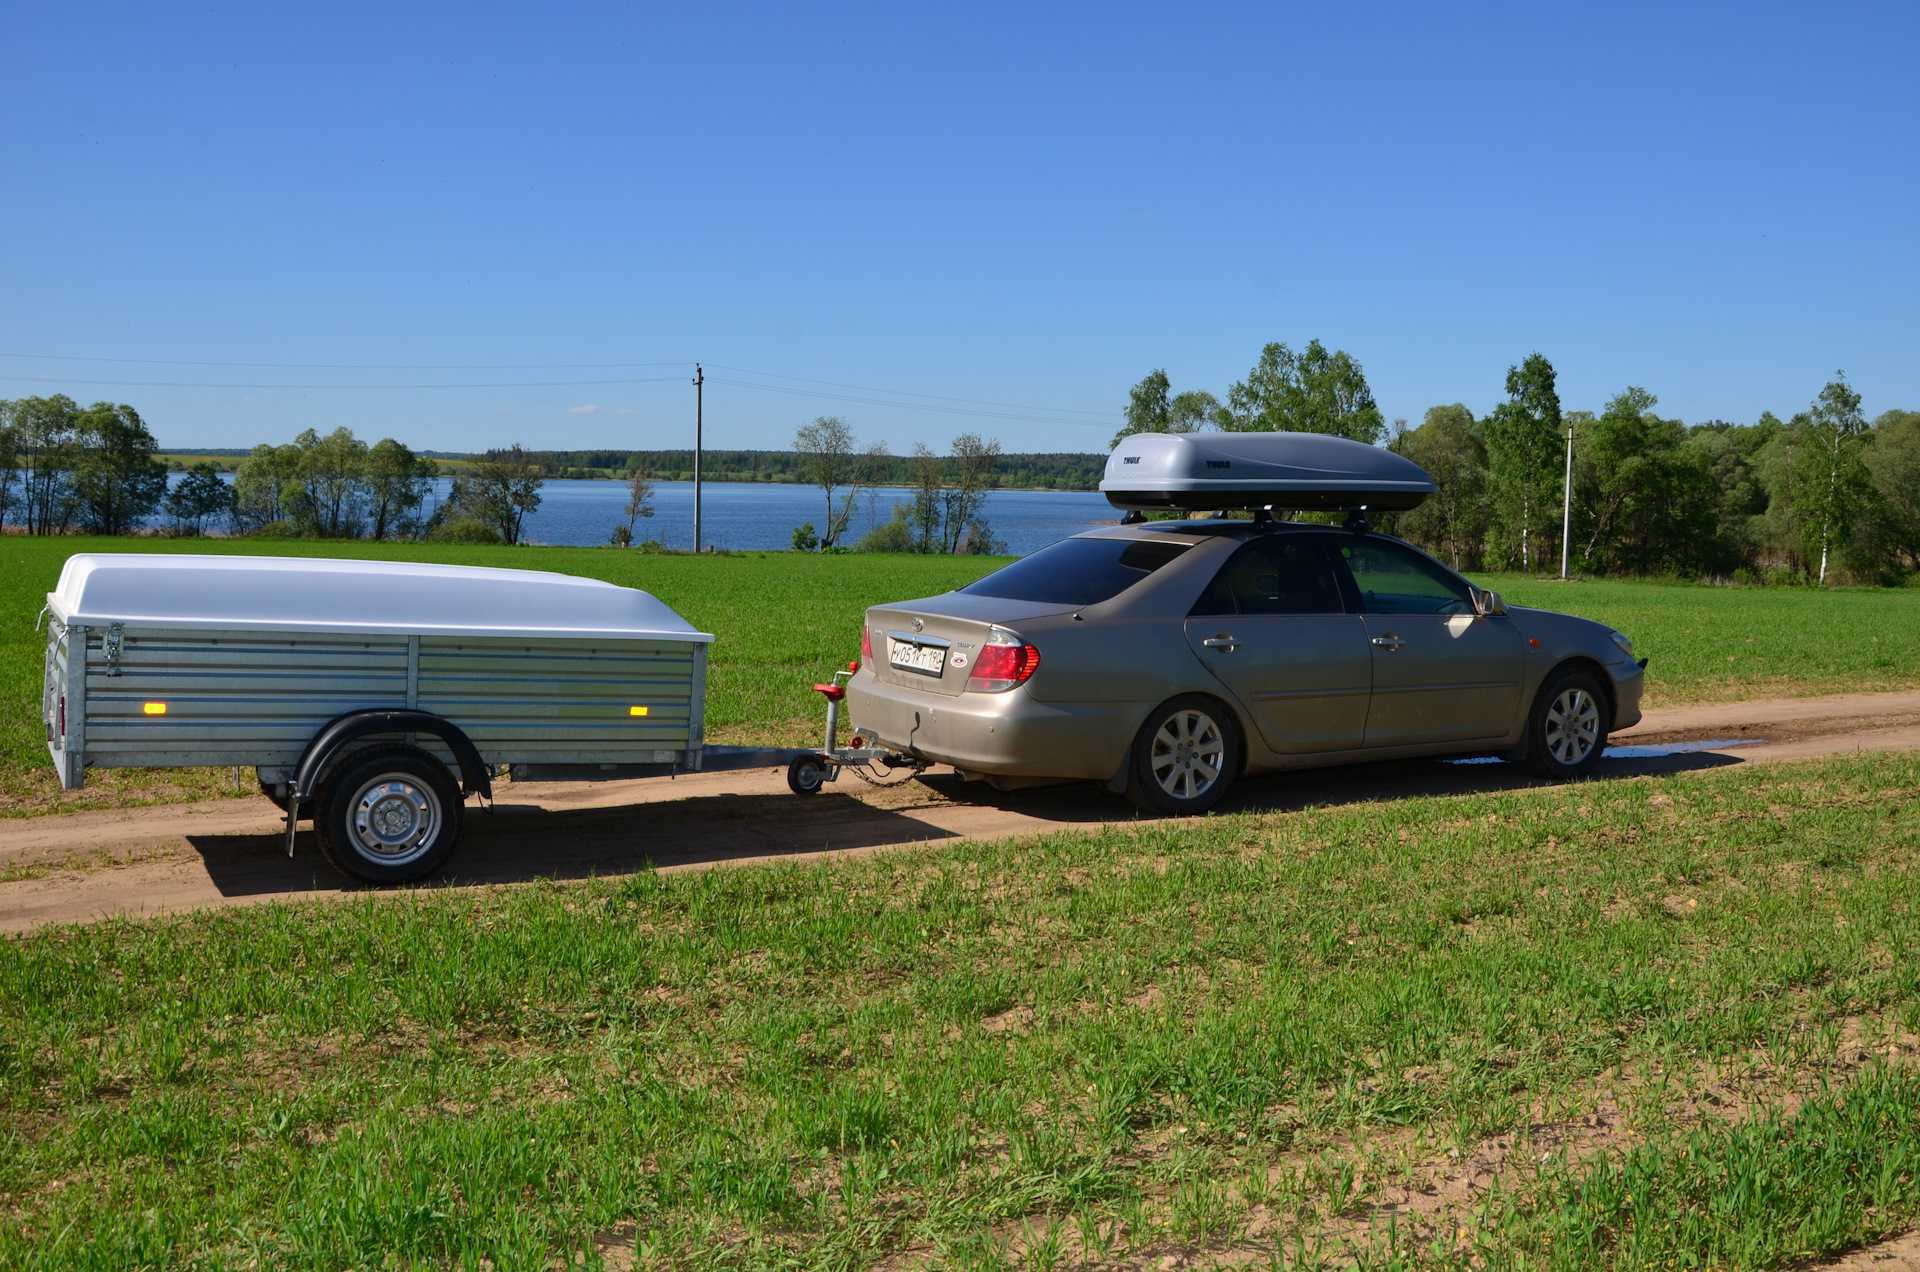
(784, 620)
(1244, 1033)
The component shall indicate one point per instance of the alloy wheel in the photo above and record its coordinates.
(1189, 752)
(1572, 727)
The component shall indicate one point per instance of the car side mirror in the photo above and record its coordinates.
(1488, 604)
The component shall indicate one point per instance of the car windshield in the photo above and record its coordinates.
(1078, 571)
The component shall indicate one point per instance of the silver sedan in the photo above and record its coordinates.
(1167, 659)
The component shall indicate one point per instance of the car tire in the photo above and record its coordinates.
(1567, 730)
(1185, 756)
(390, 815)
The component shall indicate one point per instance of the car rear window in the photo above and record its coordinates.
(1078, 571)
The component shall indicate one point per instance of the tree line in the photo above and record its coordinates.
(1775, 500)
(946, 513)
(96, 470)
(1038, 471)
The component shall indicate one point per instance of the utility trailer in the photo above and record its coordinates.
(376, 697)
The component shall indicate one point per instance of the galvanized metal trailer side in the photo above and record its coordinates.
(301, 669)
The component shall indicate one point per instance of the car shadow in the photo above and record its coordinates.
(510, 843)
(1329, 787)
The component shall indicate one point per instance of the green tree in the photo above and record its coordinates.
(1643, 499)
(1525, 465)
(923, 513)
(395, 484)
(831, 460)
(117, 482)
(1453, 523)
(1193, 410)
(1830, 477)
(1149, 406)
(639, 504)
(503, 488)
(333, 473)
(45, 441)
(1886, 539)
(198, 499)
(969, 468)
(1732, 456)
(265, 484)
(1310, 392)
(9, 459)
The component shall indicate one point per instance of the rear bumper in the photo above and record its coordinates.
(1004, 734)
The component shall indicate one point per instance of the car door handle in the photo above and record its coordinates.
(1224, 642)
(1388, 642)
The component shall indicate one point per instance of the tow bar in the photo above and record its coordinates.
(810, 770)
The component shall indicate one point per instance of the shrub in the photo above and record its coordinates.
(463, 530)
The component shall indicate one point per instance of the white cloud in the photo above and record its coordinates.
(594, 408)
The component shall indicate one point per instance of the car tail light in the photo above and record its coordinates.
(1001, 665)
(866, 642)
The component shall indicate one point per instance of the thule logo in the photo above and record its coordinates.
(1219, 463)
(1129, 459)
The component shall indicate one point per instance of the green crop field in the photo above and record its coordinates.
(1645, 1023)
(784, 620)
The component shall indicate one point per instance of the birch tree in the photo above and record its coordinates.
(1831, 479)
(1524, 440)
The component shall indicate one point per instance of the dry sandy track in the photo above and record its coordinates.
(93, 865)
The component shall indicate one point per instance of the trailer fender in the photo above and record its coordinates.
(343, 731)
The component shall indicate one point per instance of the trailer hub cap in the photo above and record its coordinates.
(395, 819)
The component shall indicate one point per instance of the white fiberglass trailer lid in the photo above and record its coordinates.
(1256, 470)
(267, 594)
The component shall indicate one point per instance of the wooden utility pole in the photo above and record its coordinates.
(699, 394)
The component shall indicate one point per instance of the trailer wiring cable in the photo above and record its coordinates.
(865, 772)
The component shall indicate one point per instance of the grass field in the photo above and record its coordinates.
(1651, 1023)
(784, 620)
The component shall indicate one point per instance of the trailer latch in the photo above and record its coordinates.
(111, 643)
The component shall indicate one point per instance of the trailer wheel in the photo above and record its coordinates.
(806, 774)
(389, 816)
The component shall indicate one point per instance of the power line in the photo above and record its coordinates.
(195, 384)
(352, 366)
(938, 397)
(907, 406)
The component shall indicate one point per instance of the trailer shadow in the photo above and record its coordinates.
(512, 843)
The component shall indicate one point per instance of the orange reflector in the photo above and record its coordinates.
(636, 711)
(154, 708)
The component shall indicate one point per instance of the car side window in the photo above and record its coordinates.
(1277, 574)
(1396, 580)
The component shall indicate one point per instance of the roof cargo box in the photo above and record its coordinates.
(1194, 471)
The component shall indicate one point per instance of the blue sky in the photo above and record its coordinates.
(1030, 205)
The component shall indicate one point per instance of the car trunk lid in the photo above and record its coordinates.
(931, 644)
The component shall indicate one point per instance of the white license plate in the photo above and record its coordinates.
(928, 660)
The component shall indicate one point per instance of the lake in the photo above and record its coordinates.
(762, 515)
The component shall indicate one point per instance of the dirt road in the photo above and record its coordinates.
(87, 866)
